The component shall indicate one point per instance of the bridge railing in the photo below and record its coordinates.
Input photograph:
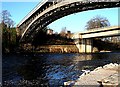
(44, 9)
(31, 12)
(103, 28)
(58, 1)
(111, 30)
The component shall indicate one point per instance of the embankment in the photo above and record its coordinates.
(58, 48)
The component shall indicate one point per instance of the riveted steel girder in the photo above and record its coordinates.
(42, 18)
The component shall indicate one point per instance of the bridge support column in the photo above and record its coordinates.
(84, 45)
(82, 48)
(89, 46)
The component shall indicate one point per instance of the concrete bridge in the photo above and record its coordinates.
(48, 11)
(83, 40)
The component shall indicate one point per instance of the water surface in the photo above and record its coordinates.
(50, 69)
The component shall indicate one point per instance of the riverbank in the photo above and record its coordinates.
(53, 49)
(106, 76)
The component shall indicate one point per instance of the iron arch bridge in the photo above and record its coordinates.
(48, 11)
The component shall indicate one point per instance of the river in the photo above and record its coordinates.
(50, 68)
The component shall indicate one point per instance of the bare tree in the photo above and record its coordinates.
(63, 32)
(97, 22)
(6, 19)
(7, 30)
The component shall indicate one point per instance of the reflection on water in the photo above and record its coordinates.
(51, 69)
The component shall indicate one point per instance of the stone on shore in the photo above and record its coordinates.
(107, 76)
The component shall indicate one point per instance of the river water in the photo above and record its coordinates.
(51, 68)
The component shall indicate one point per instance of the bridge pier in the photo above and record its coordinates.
(84, 45)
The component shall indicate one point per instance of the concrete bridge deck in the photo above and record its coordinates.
(99, 32)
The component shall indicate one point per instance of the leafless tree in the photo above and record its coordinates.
(97, 22)
(6, 19)
(63, 32)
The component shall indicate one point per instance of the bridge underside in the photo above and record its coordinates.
(30, 29)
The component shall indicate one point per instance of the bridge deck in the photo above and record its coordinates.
(99, 32)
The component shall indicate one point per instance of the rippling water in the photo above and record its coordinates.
(50, 69)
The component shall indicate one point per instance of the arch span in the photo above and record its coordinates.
(47, 12)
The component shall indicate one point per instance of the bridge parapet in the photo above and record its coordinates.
(43, 2)
(98, 32)
(104, 28)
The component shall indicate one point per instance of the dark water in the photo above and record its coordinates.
(50, 69)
